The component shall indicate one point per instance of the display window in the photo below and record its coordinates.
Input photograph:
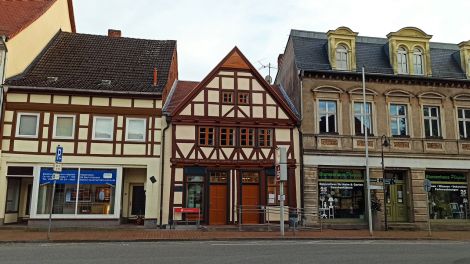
(341, 193)
(449, 195)
(79, 191)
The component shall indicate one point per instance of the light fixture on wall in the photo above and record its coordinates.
(153, 179)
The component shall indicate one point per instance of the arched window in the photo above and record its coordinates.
(402, 59)
(418, 62)
(342, 58)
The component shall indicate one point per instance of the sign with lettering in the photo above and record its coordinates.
(71, 176)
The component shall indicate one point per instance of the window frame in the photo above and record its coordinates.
(326, 113)
(361, 118)
(94, 128)
(127, 129)
(240, 94)
(54, 133)
(342, 50)
(268, 137)
(402, 59)
(430, 119)
(463, 119)
(206, 136)
(418, 52)
(229, 95)
(250, 134)
(18, 124)
(398, 117)
(227, 136)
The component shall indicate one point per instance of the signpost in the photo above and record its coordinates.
(427, 188)
(281, 170)
(57, 170)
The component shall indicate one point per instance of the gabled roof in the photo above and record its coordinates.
(184, 91)
(100, 63)
(16, 15)
(311, 54)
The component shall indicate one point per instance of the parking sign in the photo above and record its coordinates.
(58, 154)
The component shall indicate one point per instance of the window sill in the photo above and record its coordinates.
(328, 134)
(401, 136)
(434, 138)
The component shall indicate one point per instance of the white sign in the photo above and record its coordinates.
(58, 167)
(376, 187)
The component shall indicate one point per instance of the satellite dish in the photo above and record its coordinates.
(268, 78)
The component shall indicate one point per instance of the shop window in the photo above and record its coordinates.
(327, 116)
(341, 193)
(432, 123)
(79, 191)
(418, 62)
(195, 192)
(64, 126)
(103, 128)
(449, 195)
(265, 137)
(243, 98)
(206, 136)
(362, 117)
(402, 60)
(227, 137)
(398, 120)
(246, 137)
(274, 190)
(27, 125)
(342, 58)
(135, 129)
(464, 122)
(227, 97)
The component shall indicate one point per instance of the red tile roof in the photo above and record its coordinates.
(177, 95)
(16, 15)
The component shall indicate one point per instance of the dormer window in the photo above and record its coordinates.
(418, 62)
(402, 60)
(342, 58)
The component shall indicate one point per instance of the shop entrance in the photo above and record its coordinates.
(138, 200)
(396, 197)
(18, 200)
(218, 198)
(250, 197)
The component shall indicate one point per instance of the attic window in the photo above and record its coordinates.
(418, 62)
(342, 58)
(106, 82)
(402, 60)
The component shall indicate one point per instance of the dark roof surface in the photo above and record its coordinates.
(82, 62)
(311, 53)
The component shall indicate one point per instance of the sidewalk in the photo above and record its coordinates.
(7, 236)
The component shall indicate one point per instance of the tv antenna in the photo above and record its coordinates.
(268, 78)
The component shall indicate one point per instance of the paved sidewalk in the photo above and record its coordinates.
(183, 235)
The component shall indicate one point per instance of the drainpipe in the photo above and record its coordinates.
(3, 64)
(301, 143)
(162, 170)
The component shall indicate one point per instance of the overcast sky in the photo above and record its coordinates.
(206, 30)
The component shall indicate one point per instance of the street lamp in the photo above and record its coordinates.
(385, 143)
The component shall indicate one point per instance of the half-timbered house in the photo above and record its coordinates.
(223, 133)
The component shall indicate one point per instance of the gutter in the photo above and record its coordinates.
(162, 168)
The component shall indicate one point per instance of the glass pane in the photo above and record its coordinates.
(435, 128)
(195, 195)
(461, 129)
(357, 125)
(103, 128)
(250, 177)
(460, 113)
(64, 126)
(393, 109)
(426, 111)
(331, 123)
(394, 126)
(368, 108)
(427, 129)
(434, 111)
(467, 113)
(332, 107)
(322, 106)
(96, 199)
(402, 126)
(13, 195)
(136, 129)
(402, 110)
(467, 126)
(28, 125)
(357, 108)
(323, 124)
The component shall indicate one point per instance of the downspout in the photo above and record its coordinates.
(301, 142)
(162, 169)
(3, 65)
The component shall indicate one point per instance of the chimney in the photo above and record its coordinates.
(114, 33)
(279, 60)
(155, 76)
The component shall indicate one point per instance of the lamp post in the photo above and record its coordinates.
(385, 143)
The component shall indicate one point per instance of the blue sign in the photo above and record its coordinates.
(59, 154)
(87, 176)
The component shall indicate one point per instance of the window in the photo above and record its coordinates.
(265, 137)
(448, 197)
(342, 58)
(227, 137)
(418, 62)
(246, 137)
(243, 98)
(27, 125)
(402, 59)
(464, 122)
(135, 129)
(432, 124)
(327, 116)
(206, 136)
(362, 117)
(398, 120)
(227, 97)
(64, 126)
(103, 128)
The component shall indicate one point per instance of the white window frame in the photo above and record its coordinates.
(94, 127)
(326, 113)
(418, 53)
(342, 57)
(402, 60)
(127, 129)
(398, 117)
(18, 123)
(463, 119)
(363, 114)
(430, 119)
(55, 126)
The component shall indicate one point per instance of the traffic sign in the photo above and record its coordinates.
(59, 154)
(427, 185)
(57, 167)
(278, 172)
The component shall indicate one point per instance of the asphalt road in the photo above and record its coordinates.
(288, 252)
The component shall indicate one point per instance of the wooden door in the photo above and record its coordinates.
(138, 200)
(218, 205)
(397, 210)
(250, 204)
